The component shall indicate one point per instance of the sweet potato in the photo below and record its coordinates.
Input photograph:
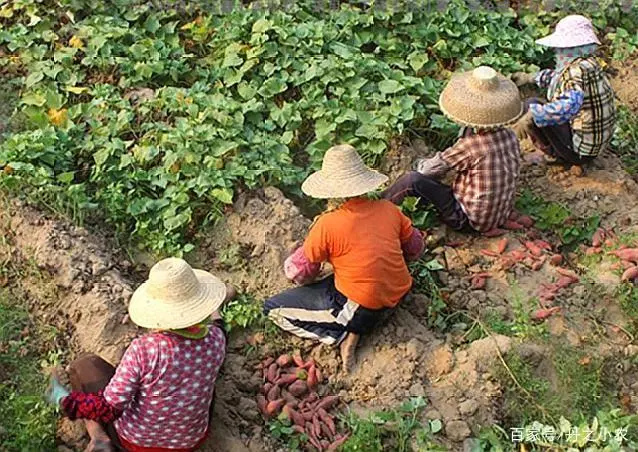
(564, 282)
(328, 402)
(494, 232)
(266, 387)
(542, 314)
(312, 397)
(542, 244)
(489, 253)
(513, 225)
(298, 360)
(318, 375)
(477, 283)
(298, 388)
(598, 238)
(518, 255)
(628, 254)
(556, 259)
(286, 379)
(525, 221)
(564, 272)
(290, 399)
(307, 364)
(626, 264)
(592, 251)
(294, 416)
(274, 393)
(312, 377)
(507, 262)
(339, 440)
(501, 246)
(267, 362)
(274, 406)
(298, 429)
(271, 374)
(533, 248)
(325, 431)
(454, 244)
(326, 419)
(312, 438)
(324, 444)
(316, 426)
(630, 274)
(307, 415)
(261, 404)
(284, 360)
(538, 265)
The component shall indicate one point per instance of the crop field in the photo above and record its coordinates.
(132, 131)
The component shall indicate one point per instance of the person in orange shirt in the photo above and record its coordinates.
(367, 241)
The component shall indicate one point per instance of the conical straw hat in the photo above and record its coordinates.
(571, 31)
(342, 175)
(175, 296)
(481, 98)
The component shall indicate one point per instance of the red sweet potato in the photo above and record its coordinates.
(564, 272)
(294, 416)
(525, 221)
(307, 364)
(598, 238)
(312, 397)
(629, 254)
(290, 399)
(501, 246)
(271, 374)
(274, 393)
(284, 360)
(542, 314)
(266, 387)
(626, 264)
(489, 253)
(630, 274)
(273, 407)
(556, 259)
(307, 415)
(513, 225)
(454, 244)
(286, 379)
(298, 388)
(319, 375)
(533, 248)
(563, 282)
(328, 402)
(592, 251)
(298, 429)
(477, 283)
(325, 431)
(324, 444)
(339, 440)
(316, 427)
(298, 360)
(311, 436)
(267, 362)
(326, 419)
(542, 244)
(312, 377)
(494, 232)
(261, 404)
(538, 265)
(507, 262)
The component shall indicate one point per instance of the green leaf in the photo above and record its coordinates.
(152, 24)
(390, 86)
(34, 99)
(436, 426)
(76, 89)
(225, 195)
(222, 147)
(33, 78)
(417, 60)
(66, 178)
(246, 91)
(261, 26)
(481, 41)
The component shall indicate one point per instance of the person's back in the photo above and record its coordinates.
(362, 240)
(171, 380)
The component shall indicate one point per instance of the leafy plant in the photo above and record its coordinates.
(425, 283)
(244, 311)
(625, 141)
(422, 218)
(280, 428)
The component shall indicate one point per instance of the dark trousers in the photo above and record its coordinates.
(430, 192)
(555, 141)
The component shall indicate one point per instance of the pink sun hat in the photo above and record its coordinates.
(571, 31)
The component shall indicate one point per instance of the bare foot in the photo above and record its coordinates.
(99, 445)
(348, 348)
(231, 293)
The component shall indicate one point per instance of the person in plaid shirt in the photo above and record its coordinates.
(159, 398)
(486, 157)
(578, 122)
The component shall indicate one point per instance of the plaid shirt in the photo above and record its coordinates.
(581, 94)
(487, 165)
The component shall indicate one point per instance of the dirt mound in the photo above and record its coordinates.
(248, 249)
(624, 82)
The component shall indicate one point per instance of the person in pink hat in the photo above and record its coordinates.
(577, 122)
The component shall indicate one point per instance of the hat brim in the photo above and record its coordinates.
(559, 41)
(480, 125)
(320, 185)
(149, 312)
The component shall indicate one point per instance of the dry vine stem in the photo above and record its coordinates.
(507, 368)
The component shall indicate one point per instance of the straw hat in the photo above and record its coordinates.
(343, 175)
(482, 98)
(571, 31)
(175, 296)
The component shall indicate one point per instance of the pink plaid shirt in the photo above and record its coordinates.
(487, 165)
(164, 386)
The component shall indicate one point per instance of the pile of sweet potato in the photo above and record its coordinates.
(290, 391)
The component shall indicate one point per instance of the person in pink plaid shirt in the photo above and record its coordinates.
(159, 398)
(486, 158)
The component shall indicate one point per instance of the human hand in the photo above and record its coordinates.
(523, 78)
(55, 392)
(524, 125)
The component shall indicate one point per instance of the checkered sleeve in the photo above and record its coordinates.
(559, 111)
(460, 156)
(125, 384)
(543, 78)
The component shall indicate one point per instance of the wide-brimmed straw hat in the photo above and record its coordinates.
(342, 175)
(571, 31)
(175, 296)
(481, 98)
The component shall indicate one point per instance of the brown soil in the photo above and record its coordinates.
(624, 82)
